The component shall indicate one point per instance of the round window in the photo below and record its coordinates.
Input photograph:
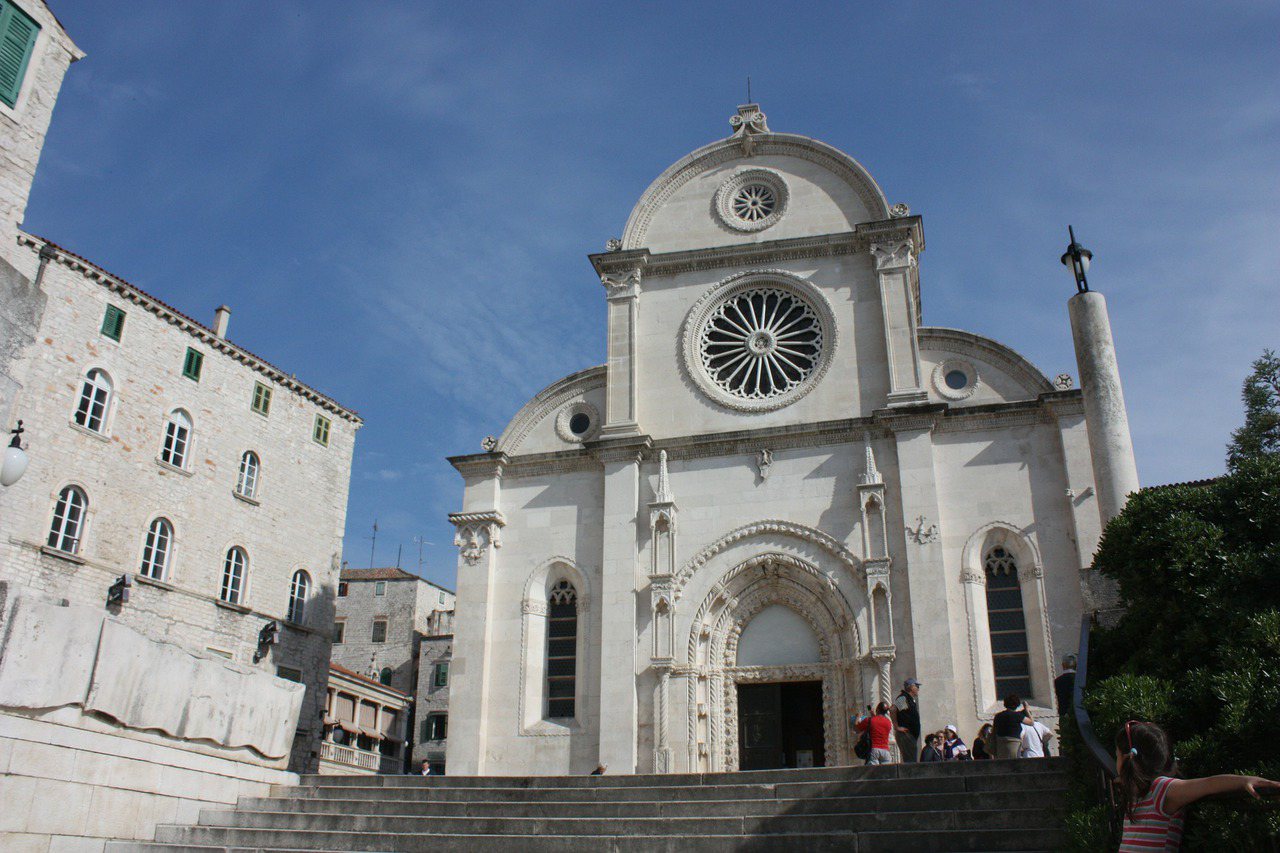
(579, 423)
(761, 343)
(956, 380)
(754, 202)
(751, 199)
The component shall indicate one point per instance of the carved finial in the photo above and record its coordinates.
(613, 244)
(664, 484)
(1064, 381)
(747, 123)
(869, 475)
(489, 444)
(899, 210)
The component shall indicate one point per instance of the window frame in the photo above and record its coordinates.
(169, 448)
(1005, 565)
(379, 588)
(62, 522)
(193, 364)
(373, 632)
(8, 11)
(567, 593)
(435, 726)
(239, 586)
(260, 402)
(247, 478)
(299, 596)
(320, 430)
(339, 632)
(96, 391)
(440, 674)
(113, 322)
(148, 565)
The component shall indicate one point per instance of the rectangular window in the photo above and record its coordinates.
(113, 323)
(380, 588)
(342, 589)
(261, 398)
(379, 630)
(441, 675)
(339, 629)
(288, 673)
(17, 38)
(192, 363)
(435, 727)
(442, 597)
(320, 432)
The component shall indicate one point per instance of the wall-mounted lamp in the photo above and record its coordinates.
(118, 592)
(267, 637)
(15, 459)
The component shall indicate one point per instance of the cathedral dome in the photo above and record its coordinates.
(753, 186)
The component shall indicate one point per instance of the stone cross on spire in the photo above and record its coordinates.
(870, 476)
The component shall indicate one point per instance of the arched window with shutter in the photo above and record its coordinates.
(156, 549)
(235, 569)
(177, 439)
(1007, 623)
(247, 481)
(68, 520)
(298, 592)
(562, 650)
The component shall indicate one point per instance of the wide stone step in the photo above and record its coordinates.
(1050, 798)
(1033, 818)
(941, 784)
(750, 777)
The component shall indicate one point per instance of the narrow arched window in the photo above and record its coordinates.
(384, 677)
(155, 550)
(1008, 625)
(247, 482)
(95, 397)
(68, 520)
(234, 571)
(562, 650)
(177, 439)
(298, 591)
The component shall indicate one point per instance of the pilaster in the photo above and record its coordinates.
(927, 583)
(619, 655)
(897, 273)
(478, 536)
(620, 274)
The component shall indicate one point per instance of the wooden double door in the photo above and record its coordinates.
(780, 725)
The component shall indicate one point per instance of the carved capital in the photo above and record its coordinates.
(621, 284)
(973, 576)
(877, 567)
(894, 254)
(1033, 572)
(629, 448)
(883, 654)
(476, 532)
(534, 608)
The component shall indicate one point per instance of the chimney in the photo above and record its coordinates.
(221, 318)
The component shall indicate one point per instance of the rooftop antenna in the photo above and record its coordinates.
(374, 544)
(399, 550)
(420, 541)
(749, 101)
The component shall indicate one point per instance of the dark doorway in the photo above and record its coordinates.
(780, 725)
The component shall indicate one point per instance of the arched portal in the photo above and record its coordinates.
(781, 589)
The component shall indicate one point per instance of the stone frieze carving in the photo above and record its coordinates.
(922, 534)
(763, 528)
(895, 254)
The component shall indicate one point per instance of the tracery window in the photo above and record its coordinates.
(95, 396)
(68, 520)
(562, 650)
(247, 481)
(234, 571)
(155, 550)
(1007, 624)
(177, 439)
(761, 343)
(299, 589)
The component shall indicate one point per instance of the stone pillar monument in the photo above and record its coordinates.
(1115, 472)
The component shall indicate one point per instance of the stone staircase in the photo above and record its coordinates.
(987, 805)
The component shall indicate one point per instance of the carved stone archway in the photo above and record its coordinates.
(712, 655)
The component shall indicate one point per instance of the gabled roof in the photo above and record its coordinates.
(387, 573)
(187, 324)
(351, 673)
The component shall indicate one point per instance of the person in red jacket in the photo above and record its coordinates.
(879, 727)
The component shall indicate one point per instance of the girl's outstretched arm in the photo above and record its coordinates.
(1184, 792)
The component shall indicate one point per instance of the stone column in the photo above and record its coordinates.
(620, 276)
(896, 272)
(928, 586)
(478, 536)
(619, 659)
(1115, 472)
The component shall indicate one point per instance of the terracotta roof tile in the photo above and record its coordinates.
(351, 673)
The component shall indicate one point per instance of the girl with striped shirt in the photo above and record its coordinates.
(1154, 798)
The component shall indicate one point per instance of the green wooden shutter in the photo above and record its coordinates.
(17, 37)
(113, 323)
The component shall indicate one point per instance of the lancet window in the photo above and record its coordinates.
(1007, 623)
(562, 650)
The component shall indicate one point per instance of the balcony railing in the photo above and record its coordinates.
(372, 761)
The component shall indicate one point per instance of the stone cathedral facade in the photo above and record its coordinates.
(781, 495)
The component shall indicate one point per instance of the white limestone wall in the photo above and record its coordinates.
(70, 783)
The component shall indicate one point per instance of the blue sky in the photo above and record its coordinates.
(396, 199)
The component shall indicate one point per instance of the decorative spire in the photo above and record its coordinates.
(870, 476)
(664, 485)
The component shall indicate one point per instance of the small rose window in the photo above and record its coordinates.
(754, 202)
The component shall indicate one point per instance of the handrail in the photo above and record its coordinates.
(1100, 753)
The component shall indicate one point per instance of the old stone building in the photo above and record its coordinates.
(171, 554)
(395, 626)
(365, 726)
(782, 495)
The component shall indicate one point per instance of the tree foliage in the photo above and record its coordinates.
(1198, 647)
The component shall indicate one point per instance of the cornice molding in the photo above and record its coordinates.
(627, 448)
(908, 418)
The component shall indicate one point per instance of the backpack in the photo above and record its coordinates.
(862, 748)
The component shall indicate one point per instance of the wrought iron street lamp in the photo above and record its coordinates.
(1077, 257)
(15, 459)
